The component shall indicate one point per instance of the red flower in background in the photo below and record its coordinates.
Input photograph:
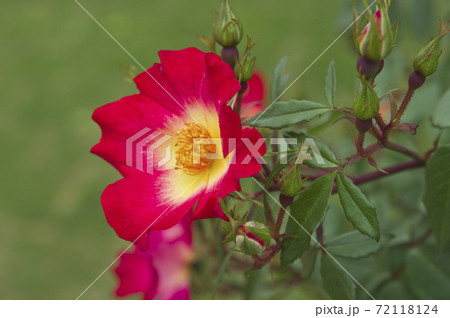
(162, 272)
(186, 102)
(254, 97)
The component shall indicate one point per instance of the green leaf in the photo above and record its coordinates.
(284, 114)
(305, 215)
(355, 245)
(328, 156)
(279, 79)
(441, 114)
(437, 194)
(336, 282)
(309, 261)
(330, 85)
(395, 289)
(427, 274)
(357, 208)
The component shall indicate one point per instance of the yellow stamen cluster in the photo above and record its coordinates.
(185, 159)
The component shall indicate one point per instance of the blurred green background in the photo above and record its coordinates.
(57, 66)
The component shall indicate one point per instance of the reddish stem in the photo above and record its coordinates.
(380, 122)
(405, 102)
(319, 233)
(368, 151)
(360, 144)
(239, 97)
(398, 148)
(371, 176)
(418, 241)
(266, 169)
(280, 218)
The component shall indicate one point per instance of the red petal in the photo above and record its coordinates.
(121, 120)
(242, 168)
(243, 165)
(254, 97)
(136, 274)
(154, 85)
(219, 84)
(230, 128)
(208, 206)
(188, 75)
(138, 203)
(184, 71)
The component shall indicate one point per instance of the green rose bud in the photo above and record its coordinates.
(244, 68)
(366, 104)
(427, 61)
(228, 29)
(291, 182)
(376, 40)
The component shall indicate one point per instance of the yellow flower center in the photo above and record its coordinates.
(193, 145)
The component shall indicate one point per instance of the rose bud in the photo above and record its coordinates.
(228, 29)
(252, 238)
(366, 104)
(427, 61)
(376, 40)
(291, 182)
(244, 69)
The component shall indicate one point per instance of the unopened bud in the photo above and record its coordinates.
(291, 182)
(228, 29)
(427, 61)
(252, 238)
(367, 103)
(376, 40)
(244, 69)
